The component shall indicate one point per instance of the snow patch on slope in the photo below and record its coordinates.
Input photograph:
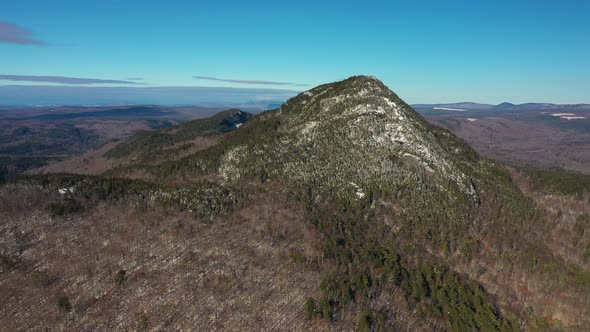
(449, 109)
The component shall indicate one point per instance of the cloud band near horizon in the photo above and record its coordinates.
(231, 80)
(64, 80)
(131, 95)
(13, 34)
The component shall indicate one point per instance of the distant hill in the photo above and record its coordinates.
(32, 137)
(468, 106)
(505, 105)
(111, 113)
(153, 147)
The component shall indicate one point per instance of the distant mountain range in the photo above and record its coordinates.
(469, 106)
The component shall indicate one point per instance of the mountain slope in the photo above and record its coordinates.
(166, 144)
(157, 141)
(356, 131)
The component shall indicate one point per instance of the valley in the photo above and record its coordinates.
(528, 135)
(34, 137)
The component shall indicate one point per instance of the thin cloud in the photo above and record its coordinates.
(246, 81)
(62, 79)
(13, 34)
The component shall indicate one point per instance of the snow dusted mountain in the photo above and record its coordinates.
(353, 135)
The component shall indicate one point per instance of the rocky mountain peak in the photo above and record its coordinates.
(350, 134)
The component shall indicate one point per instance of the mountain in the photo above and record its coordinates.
(148, 142)
(342, 135)
(341, 209)
(349, 136)
(505, 105)
(166, 144)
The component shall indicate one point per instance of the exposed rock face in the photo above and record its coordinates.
(351, 135)
(233, 119)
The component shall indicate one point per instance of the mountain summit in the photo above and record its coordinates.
(352, 135)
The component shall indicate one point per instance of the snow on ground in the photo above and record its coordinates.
(572, 117)
(391, 103)
(568, 116)
(449, 109)
(64, 191)
(359, 193)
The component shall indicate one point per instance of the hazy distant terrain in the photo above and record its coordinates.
(34, 137)
(536, 135)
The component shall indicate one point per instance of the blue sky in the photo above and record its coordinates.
(426, 51)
